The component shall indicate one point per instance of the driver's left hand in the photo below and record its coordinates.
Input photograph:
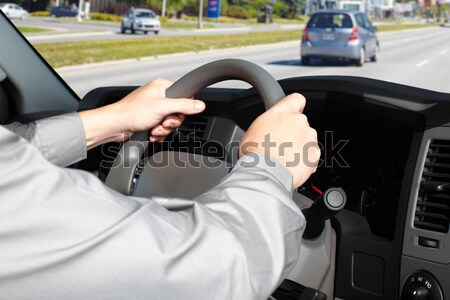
(145, 108)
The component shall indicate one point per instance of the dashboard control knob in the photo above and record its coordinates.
(417, 293)
(422, 286)
(324, 207)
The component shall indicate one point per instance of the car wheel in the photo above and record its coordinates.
(306, 60)
(132, 29)
(156, 32)
(122, 28)
(374, 58)
(145, 32)
(362, 58)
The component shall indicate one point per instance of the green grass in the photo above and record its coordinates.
(183, 25)
(75, 53)
(392, 27)
(32, 29)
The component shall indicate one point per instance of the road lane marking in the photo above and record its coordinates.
(422, 63)
(443, 51)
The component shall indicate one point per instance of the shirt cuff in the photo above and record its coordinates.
(277, 170)
(63, 140)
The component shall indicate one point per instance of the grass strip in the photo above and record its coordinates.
(76, 53)
(32, 29)
(393, 27)
(183, 25)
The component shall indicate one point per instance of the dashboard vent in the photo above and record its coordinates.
(433, 203)
(194, 129)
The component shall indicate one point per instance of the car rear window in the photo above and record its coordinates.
(328, 20)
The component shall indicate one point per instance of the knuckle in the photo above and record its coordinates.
(303, 119)
(313, 133)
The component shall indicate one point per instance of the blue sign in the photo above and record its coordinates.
(213, 9)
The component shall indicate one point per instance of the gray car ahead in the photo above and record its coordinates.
(139, 19)
(339, 34)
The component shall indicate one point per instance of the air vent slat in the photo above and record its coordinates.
(431, 215)
(437, 165)
(437, 197)
(431, 226)
(433, 205)
(194, 128)
(438, 155)
(439, 145)
(435, 174)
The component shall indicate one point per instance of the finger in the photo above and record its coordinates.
(157, 139)
(160, 139)
(181, 105)
(173, 121)
(293, 102)
(160, 131)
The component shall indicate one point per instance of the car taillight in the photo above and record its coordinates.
(305, 34)
(354, 35)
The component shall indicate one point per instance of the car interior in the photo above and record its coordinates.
(385, 154)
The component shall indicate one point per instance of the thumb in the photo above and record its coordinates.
(182, 105)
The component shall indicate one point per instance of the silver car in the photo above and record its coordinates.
(144, 20)
(12, 10)
(339, 34)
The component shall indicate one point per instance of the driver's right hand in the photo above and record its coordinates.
(283, 133)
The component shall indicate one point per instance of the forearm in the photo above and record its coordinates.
(104, 125)
(60, 139)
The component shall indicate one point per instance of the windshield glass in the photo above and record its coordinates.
(144, 14)
(3, 4)
(404, 43)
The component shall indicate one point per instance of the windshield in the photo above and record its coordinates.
(404, 43)
(144, 14)
(3, 4)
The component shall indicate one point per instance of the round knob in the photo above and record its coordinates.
(417, 293)
(422, 286)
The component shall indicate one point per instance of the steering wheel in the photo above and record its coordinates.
(123, 170)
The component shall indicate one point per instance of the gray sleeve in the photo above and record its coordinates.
(60, 139)
(67, 236)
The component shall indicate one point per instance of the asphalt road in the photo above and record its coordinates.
(67, 31)
(418, 58)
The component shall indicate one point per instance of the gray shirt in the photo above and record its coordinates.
(65, 235)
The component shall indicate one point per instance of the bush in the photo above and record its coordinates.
(40, 14)
(164, 19)
(105, 17)
(238, 12)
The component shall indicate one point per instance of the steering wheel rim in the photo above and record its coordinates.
(123, 169)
